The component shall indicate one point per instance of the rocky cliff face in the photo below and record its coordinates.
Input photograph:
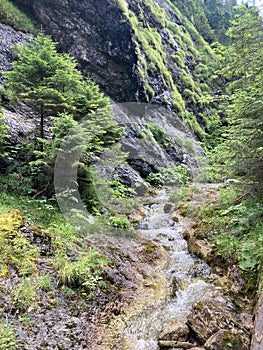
(8, 37)
(135, 50)
(144, 51)
(96, 33)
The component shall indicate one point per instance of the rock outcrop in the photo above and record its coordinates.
(8, 37)
(143, 51)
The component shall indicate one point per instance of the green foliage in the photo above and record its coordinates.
(3, 132)
(86, 272)
(170, 176)
(50, 81)
(210, 17)
(236, 229)
(160, 135)
(120, 190)
(183, 193)
(7, 337)
(11, 15)
(119, 221)
(44, 211)
(245, 237)
(116, 225)
(242, 149)
(44, 282)
(187, 145)
(82, 116)
(24, 295)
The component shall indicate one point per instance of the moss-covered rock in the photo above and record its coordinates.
(17, 251)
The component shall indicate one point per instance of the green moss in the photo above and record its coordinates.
(179, 60)
(159, 134)
(190, 96)
(11, 15)
(178, 102)
(187, 145)
(153, 56)
(17, 251)
(158, 12)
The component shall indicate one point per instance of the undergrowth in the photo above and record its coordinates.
(236, 231)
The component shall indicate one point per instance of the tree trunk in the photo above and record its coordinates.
(42, 126)
(257, 341)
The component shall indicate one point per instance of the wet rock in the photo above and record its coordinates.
(199, 247)
(227, 339)
(207, 319)
(132, 179)
(177, 284)
(175, 332)
(236, 282)
(257, 341)
(167, 208)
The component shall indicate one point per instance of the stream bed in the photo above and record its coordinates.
(188, 280)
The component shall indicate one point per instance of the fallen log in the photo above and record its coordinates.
(176, 344)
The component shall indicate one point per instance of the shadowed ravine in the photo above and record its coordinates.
(187, 279)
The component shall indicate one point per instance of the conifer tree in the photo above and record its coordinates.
(51, 83)
(244, 66)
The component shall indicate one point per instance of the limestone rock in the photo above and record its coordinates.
(175, 332)
(216, 324)
(227, 339)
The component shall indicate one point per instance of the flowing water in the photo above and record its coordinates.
(188, 274)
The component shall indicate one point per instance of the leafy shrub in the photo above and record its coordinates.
(170, 176)
(120, 190)
(238, 234)
(119, 221)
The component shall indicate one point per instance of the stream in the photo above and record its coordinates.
(188, 279)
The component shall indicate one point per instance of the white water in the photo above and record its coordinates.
(143, 329)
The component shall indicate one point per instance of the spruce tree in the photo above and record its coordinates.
(50, 82)
(243, 63)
